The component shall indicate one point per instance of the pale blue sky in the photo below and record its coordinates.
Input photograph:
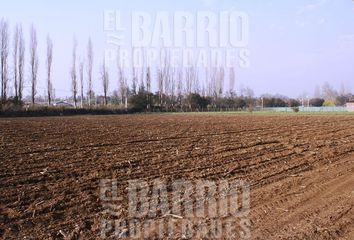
(294, 44)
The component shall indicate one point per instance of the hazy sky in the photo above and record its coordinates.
(294, 45)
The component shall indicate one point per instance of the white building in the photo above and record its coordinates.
(350, 106)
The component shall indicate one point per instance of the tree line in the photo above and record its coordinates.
(18, 64)
(17, 73)
(177, 88)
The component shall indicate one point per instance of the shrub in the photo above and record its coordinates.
(316, 102)
(328, 103)
(196, 101)
(140, 101)
(11, 104)
(38, 111)
(295, 109)
(274, 102)
(294, 103)
(240, 103)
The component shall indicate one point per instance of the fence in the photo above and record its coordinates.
(257, 109)
(306, 109)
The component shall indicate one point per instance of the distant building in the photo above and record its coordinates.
(350, 106)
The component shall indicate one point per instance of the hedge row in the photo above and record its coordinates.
(63, 112)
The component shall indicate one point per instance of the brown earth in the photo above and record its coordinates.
(300, 169)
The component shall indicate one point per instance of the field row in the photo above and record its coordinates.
(51, 168)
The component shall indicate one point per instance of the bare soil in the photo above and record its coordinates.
(300, 169)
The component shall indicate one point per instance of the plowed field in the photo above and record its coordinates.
(300, 169)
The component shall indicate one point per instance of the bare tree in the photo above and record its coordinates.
(134, 75)
(148, 79)
(220, 81)
(173, 85)
(191, 76)
(142, 84)
(105, 80)
(148, 86)
(160, 85)
(81, 71)
(21, 62)
(167, 81)
(343, 90)
(33, 62)
(247, 92)
(49, 69)
(73, 74)
(179, 86)
(122, 82)
(15, 59)
(329, 93)
(4, 53)
(134, 79)
(142, 73)
(232, 81)
(166, 77)
(89, 70)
